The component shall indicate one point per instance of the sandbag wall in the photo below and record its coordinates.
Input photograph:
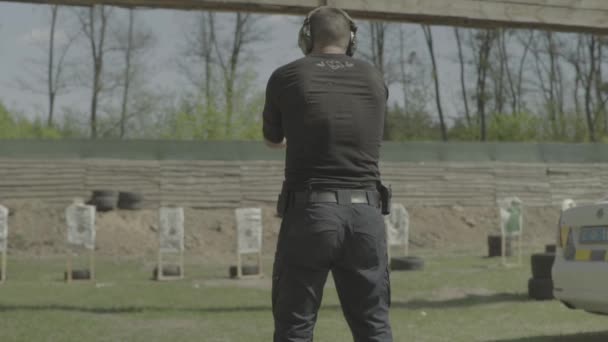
(231, 184)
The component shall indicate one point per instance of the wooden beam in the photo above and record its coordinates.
(560, 15)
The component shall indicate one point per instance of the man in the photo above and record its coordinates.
(328, 110)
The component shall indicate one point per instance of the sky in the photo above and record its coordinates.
(24, 27)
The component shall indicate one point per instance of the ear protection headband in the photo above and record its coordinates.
(305, 40)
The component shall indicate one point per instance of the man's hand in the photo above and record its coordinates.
(280, 145)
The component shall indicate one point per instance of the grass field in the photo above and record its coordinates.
(456, 298)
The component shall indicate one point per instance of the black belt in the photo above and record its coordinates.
(298, 198)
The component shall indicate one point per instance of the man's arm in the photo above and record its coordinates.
(272, 119)
(280, 145)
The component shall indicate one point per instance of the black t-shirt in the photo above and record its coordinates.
(331, 109)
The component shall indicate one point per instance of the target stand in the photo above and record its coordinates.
(80, 219)
(171, 238)
(249, 242)
(3, 241)
(511, 229)
(397, 230)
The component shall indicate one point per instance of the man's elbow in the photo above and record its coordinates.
(271, 144)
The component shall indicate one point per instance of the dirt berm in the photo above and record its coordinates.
(38, 229)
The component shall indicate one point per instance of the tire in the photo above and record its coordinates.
(550, 248)
(494, 246)
(104, 204)
(104, 193)
(130, 200)
(542, 264)
(245, 269)
(78, 275)
(540, 289)
(168, 271)
(407, 264)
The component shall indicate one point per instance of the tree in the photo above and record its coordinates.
(132, 44)
(200, 49)
(379, 39)
(428, 34)
(214, 47)
(482, 43)
(94, 25)
(463, 85)
(49, 77)
(230, 55)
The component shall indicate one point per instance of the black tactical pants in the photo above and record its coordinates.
(349, 240)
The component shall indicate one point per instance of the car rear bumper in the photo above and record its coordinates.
(581, 284)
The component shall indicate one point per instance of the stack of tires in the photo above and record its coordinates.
(130, 201)
(103, 200)
(108, 200)
(540, 286)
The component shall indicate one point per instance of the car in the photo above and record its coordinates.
(580, 269)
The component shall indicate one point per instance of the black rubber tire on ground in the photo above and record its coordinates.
(78, 275)
(103, 193)
(104, 204)
(540, 289)
(542, 264)
(168, 271)
(245, 269)
(494, 245)
(130, 200)
(550, 248)
(409, 263)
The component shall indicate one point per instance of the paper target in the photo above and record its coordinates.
(397, 225)
(171, 229)
(3, 228)
(81, 225)
(249, 230)
(511, 216)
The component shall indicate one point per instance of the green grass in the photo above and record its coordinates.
(456, 298)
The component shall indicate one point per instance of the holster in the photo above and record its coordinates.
(386, 195)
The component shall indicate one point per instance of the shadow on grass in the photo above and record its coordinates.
(469, 300)
(582, 337)
(129, 309)
(413, 305)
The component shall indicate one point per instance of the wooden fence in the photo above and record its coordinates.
(230, 184)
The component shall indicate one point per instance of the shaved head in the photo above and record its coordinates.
(329, 27)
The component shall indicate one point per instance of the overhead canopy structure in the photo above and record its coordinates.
(560, 15)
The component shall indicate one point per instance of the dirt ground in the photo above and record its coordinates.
(38, 230)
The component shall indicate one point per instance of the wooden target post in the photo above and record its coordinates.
(249, 240)
(171, 242)
(81, 236)
(511, 227)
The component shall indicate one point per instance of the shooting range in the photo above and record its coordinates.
(171, 237)
(80, 219)
(3, 241)
(170, 109)
(249, 242)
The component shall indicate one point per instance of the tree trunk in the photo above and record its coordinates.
(428, 33)
(463, 86)
(51, 66)
(127, 76)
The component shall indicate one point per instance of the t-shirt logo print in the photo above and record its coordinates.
(334, 64)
